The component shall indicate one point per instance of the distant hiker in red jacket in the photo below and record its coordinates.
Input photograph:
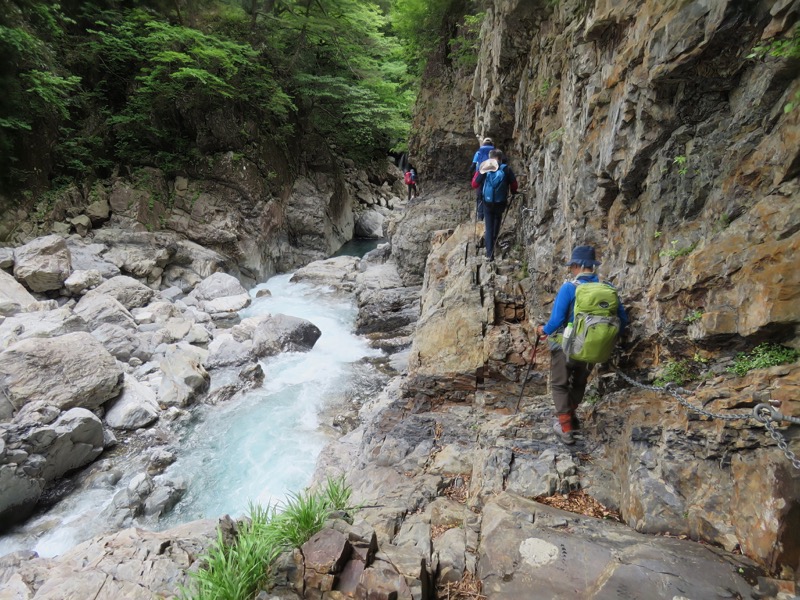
(410, 179)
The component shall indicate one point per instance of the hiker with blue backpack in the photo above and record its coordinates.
(586, 320)
(481, 155)
(494, 181)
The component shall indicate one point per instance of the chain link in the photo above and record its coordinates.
(762, 413)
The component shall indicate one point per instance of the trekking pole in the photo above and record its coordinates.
(503, 218)
(528, 372)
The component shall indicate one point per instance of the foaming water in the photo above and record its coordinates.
(262, 447)
(255, 448)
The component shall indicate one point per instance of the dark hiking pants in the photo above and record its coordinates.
(493, 216)
(567, 381)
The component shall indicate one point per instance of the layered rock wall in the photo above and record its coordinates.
(643, 128)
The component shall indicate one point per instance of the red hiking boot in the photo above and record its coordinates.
(563, 428)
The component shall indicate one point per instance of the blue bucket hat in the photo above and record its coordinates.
(583, 256)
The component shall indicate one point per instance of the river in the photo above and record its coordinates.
(257, 447)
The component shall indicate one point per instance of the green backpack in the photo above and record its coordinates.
(595, 324)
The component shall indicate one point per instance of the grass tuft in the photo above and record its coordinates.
(237, 571)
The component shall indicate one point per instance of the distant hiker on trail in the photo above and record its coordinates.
(481, 155)
(583, 328)
(495, 179)
(410, 178)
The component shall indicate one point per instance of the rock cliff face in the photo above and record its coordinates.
(641, 127)
(264, 219)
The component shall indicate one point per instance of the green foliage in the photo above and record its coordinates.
(179, 74)
(337, 493)
(786, 48)
(674, 251)
(675, 371)
(237, 571)
(763, 356)
(694, 316)
(681, 162)
(464, 46)
(153, 83)
(794, 102)
(424, 27)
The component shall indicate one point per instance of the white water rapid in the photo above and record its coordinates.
(257, 447)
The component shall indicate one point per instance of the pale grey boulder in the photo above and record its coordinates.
(77, 439)
(129, 292)
(14, 297)
(338, 272)
(97, 309)
(369, 224)
(226, 351)
(43, 264)
(281, 333)
(218, 285)
(155, 312)
(39, 324)
(89, 257)
(6, 258)
(136, 407)
(80, 281)
(183, 377)
(72, 370)
(220, 295)
(40, 446)
(122, 343)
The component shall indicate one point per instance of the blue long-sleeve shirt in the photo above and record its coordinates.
(565, 300)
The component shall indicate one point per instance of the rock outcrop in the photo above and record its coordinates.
(642, 128)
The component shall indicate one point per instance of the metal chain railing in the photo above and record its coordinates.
(763, 413)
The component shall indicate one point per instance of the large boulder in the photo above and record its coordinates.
(97, 309)
(369, 224)
(66, 371)
(126, 290)
(39, 447)
(183, 377)
(219, 294)
(281, 333)
(218, 285)
(125, 565)
(89, 257)
(412, 234)
(14, 297)
(136, 407)
(122, 343)
(80, 281)
(338, 272)
(43, 264)
(41, 324)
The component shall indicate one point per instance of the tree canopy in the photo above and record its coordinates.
(92, 85)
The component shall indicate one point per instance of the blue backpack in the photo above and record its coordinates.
(481, 155)
(495, 186)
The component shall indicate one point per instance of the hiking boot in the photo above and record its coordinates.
(563, 429)
(576, 424)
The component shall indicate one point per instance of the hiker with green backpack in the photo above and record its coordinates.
(586, 320)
